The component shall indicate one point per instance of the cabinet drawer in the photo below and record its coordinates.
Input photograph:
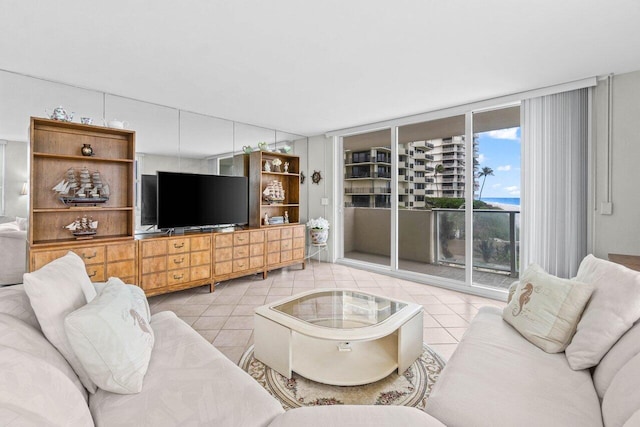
(223, 268)
(224, 254)
(200, 258)
(201, 243)
(256, 237)
(178, 261)
(96, 272)
(240, 264)
(298, 242)
(91, 255)
(273, 258)
(154, 264)
(121, 269)
(40, 259)
(256, 261)
(175, 277)
(154, 248)
(224, 240)
(273, 235)
(152, 281)
(240, 239)
(200, 272)
(286, 256)
(240, 252)
(177, 246)
(273, 246)
(256, 249)
(298, 254)
(286, 233)
(121, 252)
(286, 244)
(299, 231)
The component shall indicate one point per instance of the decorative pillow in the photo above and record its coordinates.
(112, 337)
(512, 291)
(546, 309)
(22, 223)
(611, 312)
(9, 226)
(54, 291)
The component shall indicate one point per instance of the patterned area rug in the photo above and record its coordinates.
(410, 389)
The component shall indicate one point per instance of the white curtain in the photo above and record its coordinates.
(554, 181)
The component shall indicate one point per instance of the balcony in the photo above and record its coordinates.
(367, 190)
(432, 242)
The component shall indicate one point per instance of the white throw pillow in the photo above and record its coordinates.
(614, 307)
(546, 309)
(112, 337)
(55, 290)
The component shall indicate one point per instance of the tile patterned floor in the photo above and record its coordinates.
(225, 317)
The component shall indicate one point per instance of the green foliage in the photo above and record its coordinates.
(455, 203)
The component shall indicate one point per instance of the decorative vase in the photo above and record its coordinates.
(87, 150)
(276, 168)
(318, 236)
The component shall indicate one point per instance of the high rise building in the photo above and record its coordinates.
(433, 168)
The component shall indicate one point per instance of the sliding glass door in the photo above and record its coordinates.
(438, 198)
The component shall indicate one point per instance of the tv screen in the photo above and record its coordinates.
(149, 200)
(186, 200)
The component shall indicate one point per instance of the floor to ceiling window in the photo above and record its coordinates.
(457, 188)
(367, 197)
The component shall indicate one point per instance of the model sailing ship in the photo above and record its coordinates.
(83, 228)
(82, 188)
(273, 193)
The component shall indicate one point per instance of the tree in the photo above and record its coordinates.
(438, 170)
(485, 172)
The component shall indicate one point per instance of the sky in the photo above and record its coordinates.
(500, 150)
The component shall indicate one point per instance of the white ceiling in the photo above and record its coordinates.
(312, 66)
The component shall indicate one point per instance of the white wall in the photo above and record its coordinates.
(619, 232)
(320, 158)
(16, 174)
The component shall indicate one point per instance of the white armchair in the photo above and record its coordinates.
(13, 252)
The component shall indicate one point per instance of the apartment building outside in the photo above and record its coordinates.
(367, 178)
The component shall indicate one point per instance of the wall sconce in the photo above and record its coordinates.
(25, 188)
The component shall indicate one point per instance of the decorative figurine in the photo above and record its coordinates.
(286, 167)
(267, 166)
(266, 219)
(286, 217)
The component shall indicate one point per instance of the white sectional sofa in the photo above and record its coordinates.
(495, 378)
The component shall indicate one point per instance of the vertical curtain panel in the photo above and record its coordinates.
(554, 181)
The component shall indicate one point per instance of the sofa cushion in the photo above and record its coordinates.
(622, 352)
(55, 290)
(355, 416)
(189, 382)
(612, 310)
(497, 378)
(545, 309)
(15, 302)
(622, 398)
(112, 338)
(37, 385)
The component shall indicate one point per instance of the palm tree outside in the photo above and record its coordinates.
(484, 173)
(438, 171)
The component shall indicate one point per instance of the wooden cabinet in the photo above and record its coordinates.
(285, 246)
(238, 254)
(172, 263)
(102, 259)
(56, 149)
(259, 179)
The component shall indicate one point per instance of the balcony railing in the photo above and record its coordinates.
(367, 190)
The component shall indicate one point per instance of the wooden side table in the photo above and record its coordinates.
(630, 261)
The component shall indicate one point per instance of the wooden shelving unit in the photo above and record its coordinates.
(259, 179)
(55, 148)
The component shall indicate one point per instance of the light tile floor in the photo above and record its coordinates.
(225, 317)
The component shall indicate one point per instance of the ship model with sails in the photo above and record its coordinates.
(83, 228)
(82, 188)
(273, 193)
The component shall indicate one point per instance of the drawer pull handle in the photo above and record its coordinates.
(242, 239)
(241, 265)
(178, 262)
(94, 273)
(181, 245)
(178, 277)
(85, 256)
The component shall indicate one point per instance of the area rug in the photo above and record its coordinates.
(409, 389)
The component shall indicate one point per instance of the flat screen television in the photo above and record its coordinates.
(188, 200)
(148, 200)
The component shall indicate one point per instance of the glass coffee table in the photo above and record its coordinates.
(339, 337)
